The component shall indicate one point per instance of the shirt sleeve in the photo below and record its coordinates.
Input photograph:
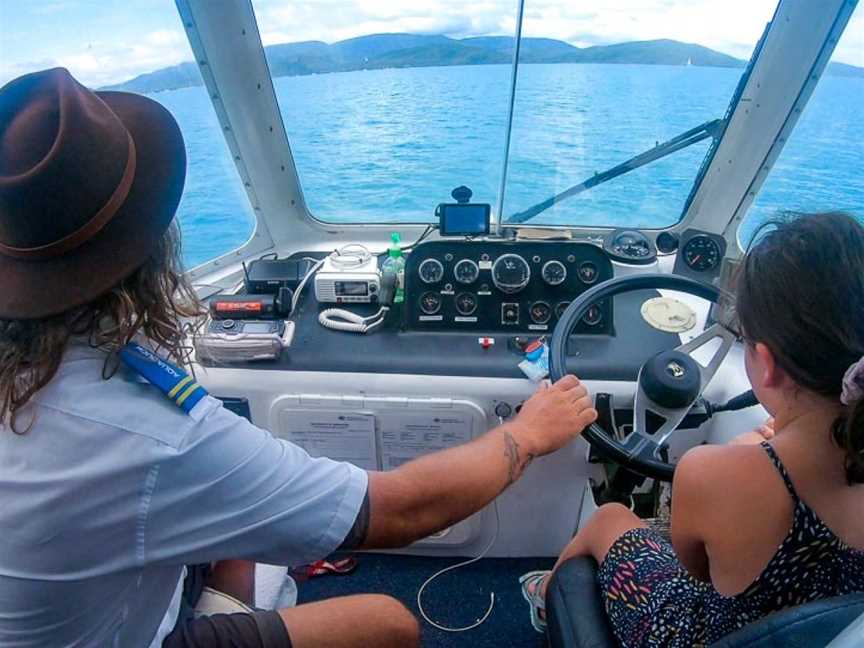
(233, 490)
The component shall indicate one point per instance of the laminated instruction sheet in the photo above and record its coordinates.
(381, 441)
(343, 436)
(405, 435)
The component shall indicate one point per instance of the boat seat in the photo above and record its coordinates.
(577, 617)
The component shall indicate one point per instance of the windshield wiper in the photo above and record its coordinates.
(711, 128)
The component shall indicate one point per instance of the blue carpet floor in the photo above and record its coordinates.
(455, 599)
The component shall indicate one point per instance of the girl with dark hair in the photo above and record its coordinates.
(794, 494)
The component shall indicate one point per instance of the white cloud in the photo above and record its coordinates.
(731, 26)
(106, 62)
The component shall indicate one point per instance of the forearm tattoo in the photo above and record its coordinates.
(516, 463)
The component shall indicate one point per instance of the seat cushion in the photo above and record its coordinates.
(577, 618)
(574, 608)
(805, 626)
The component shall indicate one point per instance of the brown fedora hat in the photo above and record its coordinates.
(89, 183)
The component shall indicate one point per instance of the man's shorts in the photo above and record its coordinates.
(240, 630)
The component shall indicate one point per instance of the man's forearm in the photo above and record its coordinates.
(436, 491)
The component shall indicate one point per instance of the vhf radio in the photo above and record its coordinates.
(349, 276)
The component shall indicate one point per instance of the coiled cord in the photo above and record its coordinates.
(343, 320)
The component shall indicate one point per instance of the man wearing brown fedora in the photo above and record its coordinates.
(108, 490)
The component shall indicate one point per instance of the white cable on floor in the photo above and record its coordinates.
(482, 555)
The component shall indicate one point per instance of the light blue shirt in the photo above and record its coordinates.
(114, 489)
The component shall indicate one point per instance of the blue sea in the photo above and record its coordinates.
(389, 145)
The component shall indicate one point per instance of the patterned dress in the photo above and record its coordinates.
(652, 601)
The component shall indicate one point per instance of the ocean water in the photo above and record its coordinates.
(389, 145)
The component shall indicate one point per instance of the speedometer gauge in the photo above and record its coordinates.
(701, 253)
(510, 273)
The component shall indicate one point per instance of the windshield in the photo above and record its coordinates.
(643, 74)
(389, 106)
(389, 109)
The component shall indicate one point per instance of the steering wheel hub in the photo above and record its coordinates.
(671, 379)
(668, 384)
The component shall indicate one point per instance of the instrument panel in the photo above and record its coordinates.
(490, 286)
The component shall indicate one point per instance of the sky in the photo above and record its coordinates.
(108, 41)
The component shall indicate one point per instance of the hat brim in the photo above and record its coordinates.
(32, 289)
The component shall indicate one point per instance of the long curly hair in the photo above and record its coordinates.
(153, 300)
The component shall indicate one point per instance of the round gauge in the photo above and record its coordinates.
(588, 272)
(430, 302)
(554, 272)
(466, 303)
(560, 308)
(701, 253)
(431, 271)
(630, 246)
(593, 316)
(540, 312)
(466, 271)
(510, 273)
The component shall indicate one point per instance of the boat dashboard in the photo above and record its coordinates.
(503, 286)
(472, 306)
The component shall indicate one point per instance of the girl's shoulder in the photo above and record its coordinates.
(714, 480)
(705, 464)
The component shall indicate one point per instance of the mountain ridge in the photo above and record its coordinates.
(396, 50)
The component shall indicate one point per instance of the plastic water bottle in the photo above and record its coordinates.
(395, 263)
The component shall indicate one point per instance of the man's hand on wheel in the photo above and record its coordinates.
(554, 416)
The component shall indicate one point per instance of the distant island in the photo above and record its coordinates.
(379, 51)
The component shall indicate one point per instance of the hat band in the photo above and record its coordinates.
(90, 228)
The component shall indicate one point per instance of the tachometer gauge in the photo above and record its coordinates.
(466, 271)
(540, 312)
(431, 271)
(701, 253)
(466, 303)
(430, 302)
(554, 272)
(510, 273)
(588, 272)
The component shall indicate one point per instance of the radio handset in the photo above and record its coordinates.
(389, 282)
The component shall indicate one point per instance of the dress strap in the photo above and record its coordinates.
(775, 459)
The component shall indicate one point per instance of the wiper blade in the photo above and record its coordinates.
(711, 128)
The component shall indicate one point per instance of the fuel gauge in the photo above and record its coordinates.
(466, 303)
(430, 302)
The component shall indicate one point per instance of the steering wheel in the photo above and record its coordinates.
(667, 386)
